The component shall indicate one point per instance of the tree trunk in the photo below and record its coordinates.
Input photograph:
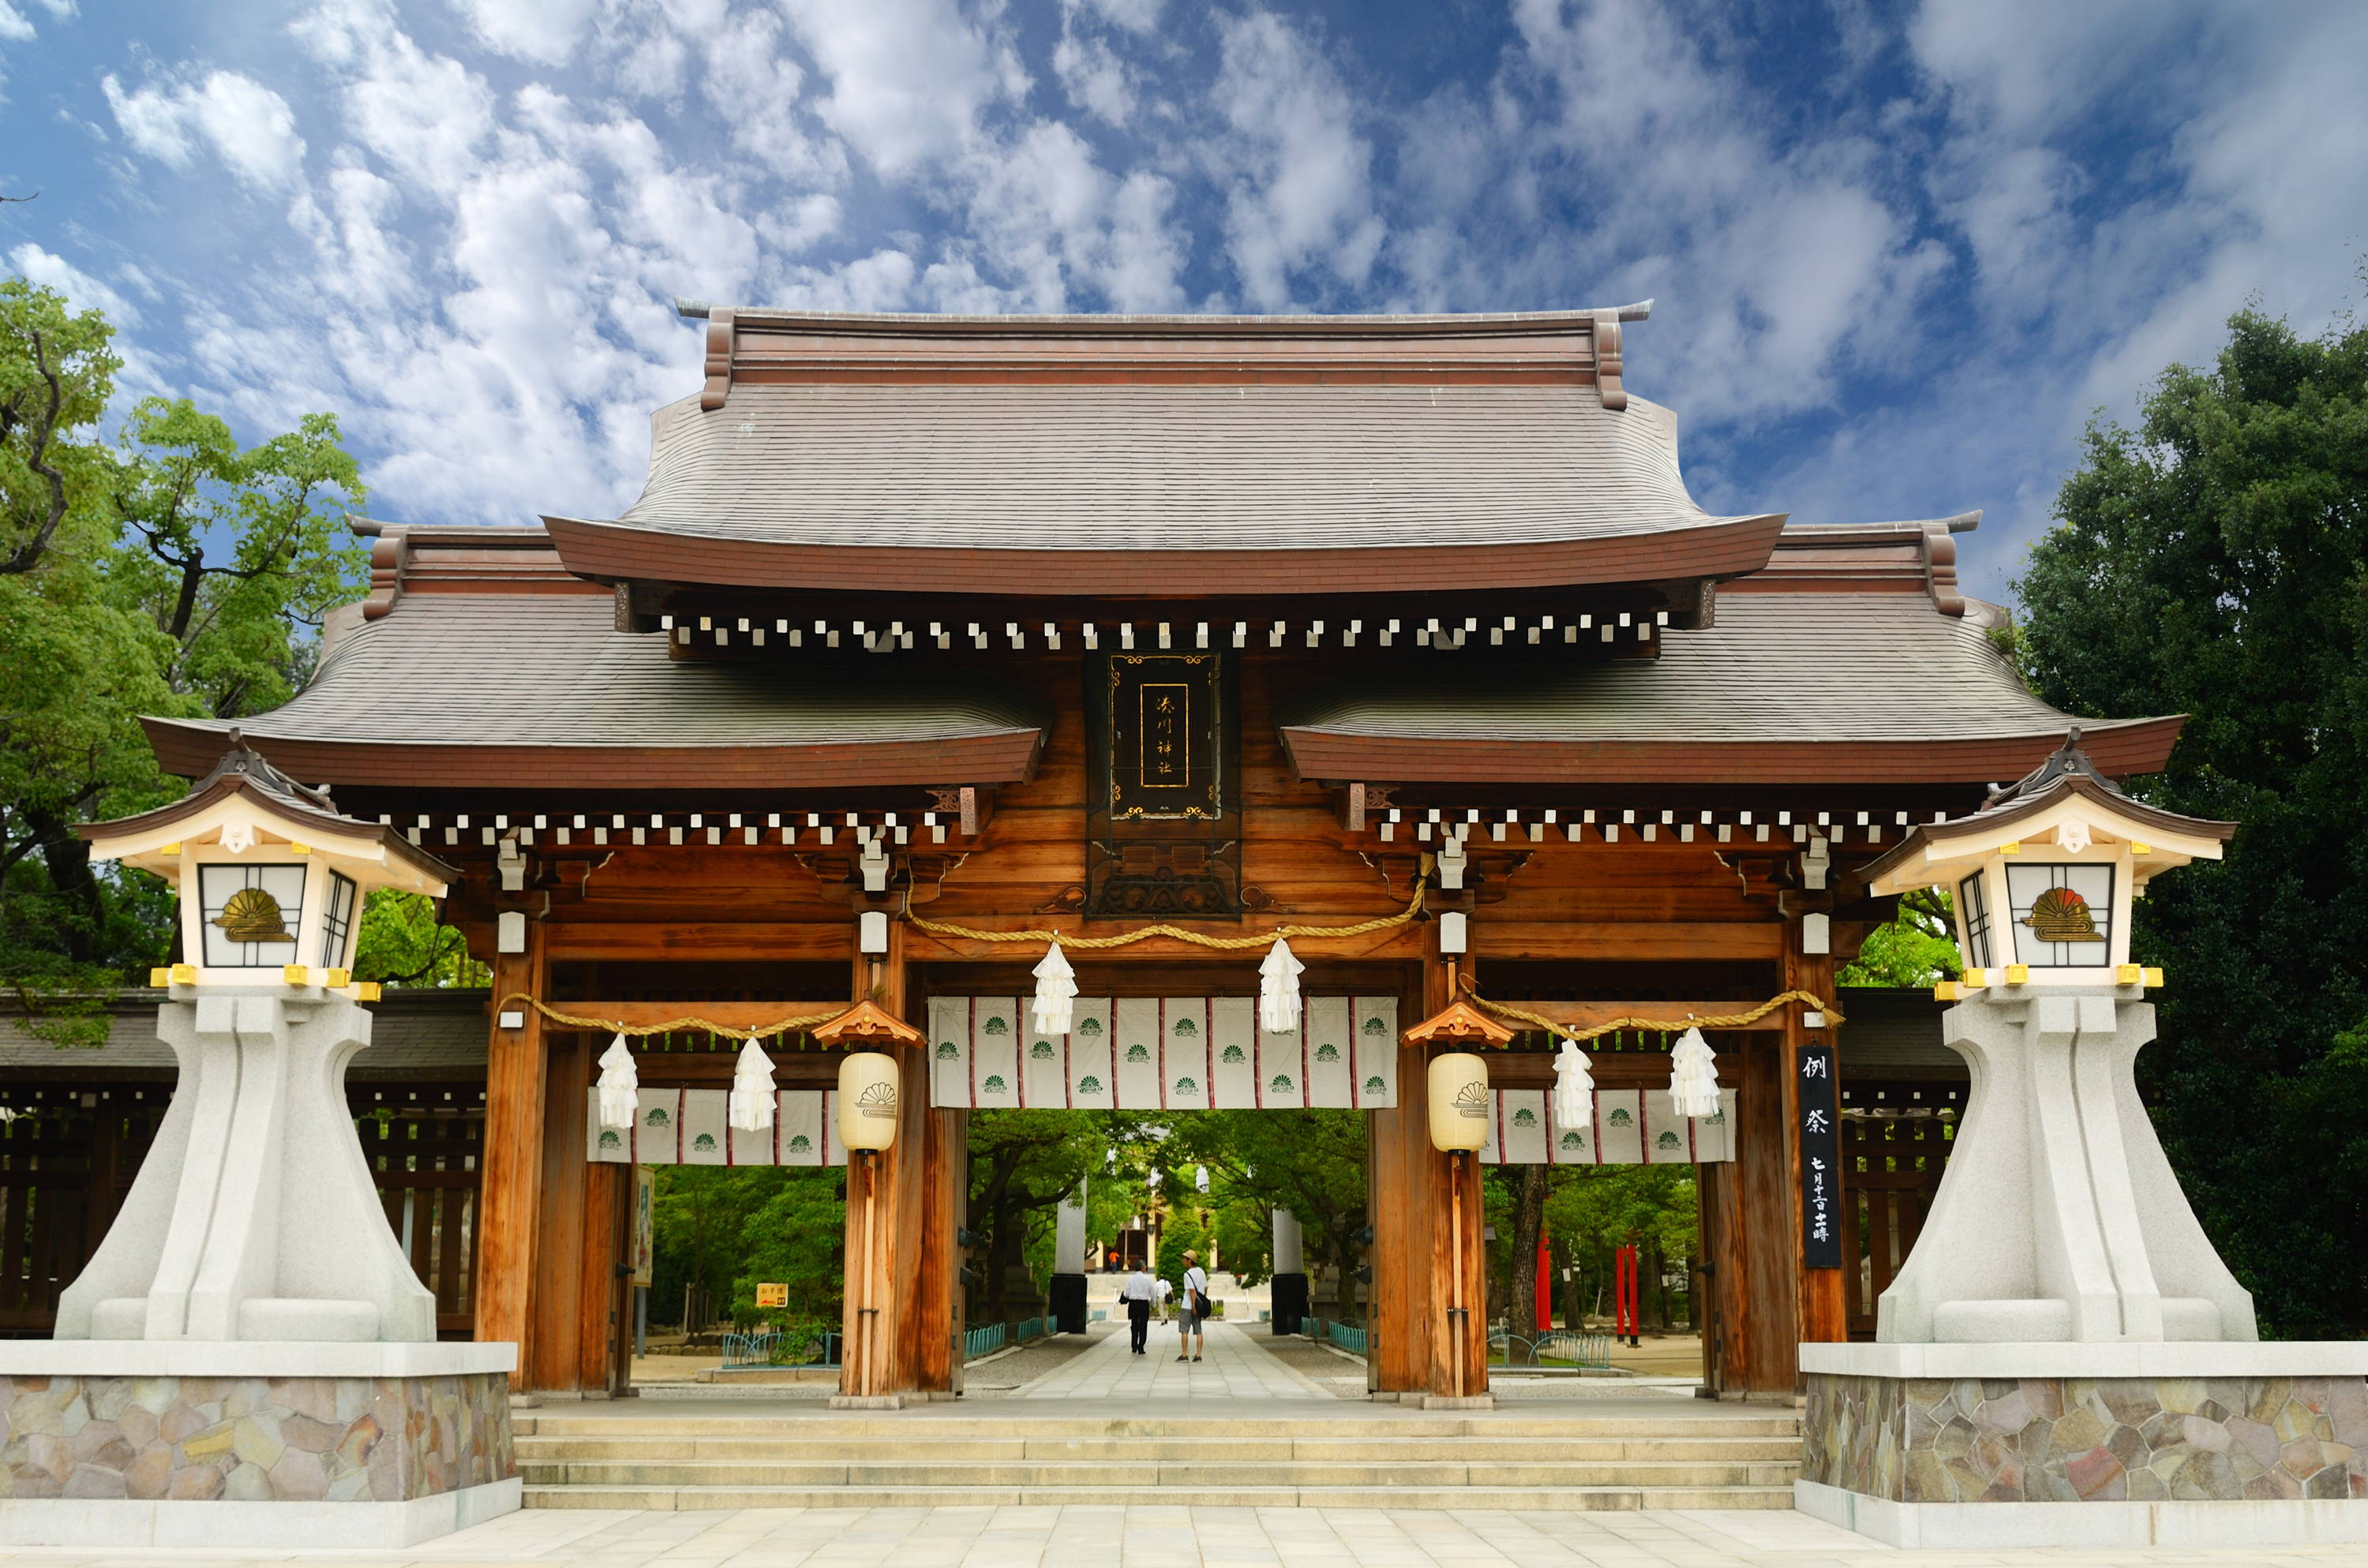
(1528, 1215)
(67, 859)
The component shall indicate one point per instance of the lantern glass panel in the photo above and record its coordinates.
(249, 914)
(337, 930)
(1974, 904)
(2063, 915)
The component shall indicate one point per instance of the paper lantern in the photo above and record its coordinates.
(867, 1100)
(1459, 1101)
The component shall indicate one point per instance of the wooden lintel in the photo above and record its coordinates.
(783, 940)
(1633, 940)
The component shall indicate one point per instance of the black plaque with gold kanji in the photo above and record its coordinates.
(1163, 828)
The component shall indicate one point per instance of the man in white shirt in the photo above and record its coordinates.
(1194, 1306)
(1136, 1290)
(1163, 1290)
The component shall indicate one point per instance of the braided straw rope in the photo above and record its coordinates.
(1229, 944)
(1657, 1025)
(672, 1026)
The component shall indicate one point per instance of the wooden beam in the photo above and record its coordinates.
(1633, 942)
(716, 942)
(1766, 1351)
(509, 1198)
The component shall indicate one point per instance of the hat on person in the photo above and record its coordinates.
(1192, 1255)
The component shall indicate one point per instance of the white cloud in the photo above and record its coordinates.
(249, 127)
(15, 25)
(1297, 168)
(909, 79)
(82, 291)
(544, 31)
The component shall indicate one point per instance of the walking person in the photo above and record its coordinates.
(1136, 1293)
(1193, 1307)
(1165, 1291)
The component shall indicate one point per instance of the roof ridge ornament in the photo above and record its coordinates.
(2067, 760)
(242, 758)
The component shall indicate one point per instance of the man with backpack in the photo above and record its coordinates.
(1195, 1307)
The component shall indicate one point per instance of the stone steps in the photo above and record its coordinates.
(1559, 1499)
(1508, 1461)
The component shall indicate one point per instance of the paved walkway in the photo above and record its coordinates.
(1231, 1367)
(1179, 1538)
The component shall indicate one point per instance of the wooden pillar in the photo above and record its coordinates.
(572, 1316)
(509, 1194)
(1412, 1192)
(1762, 1231)
(901, 1207)
(939, 1323)
(1821, 1294)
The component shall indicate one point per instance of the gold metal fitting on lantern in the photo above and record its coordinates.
(338, 979)
(2127, 974)
(2017, 974)
(2153, 976)
(296, 974)
(1947, 991)
(1975, 978)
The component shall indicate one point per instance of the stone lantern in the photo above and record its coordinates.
(255, 1216)
(2064, 1359)
(250, 1291)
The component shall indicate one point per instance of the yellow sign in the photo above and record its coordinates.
(772, 1295)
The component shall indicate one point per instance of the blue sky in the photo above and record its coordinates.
(1900, 252)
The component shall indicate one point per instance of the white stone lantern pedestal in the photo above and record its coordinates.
(248, 1359)
(2064, 1360)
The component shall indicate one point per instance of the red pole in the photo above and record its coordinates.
(1544, 1291)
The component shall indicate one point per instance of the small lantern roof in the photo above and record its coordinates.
(2065, 791)
(244, 788)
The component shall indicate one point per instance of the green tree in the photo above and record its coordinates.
(1310, 1162)
(168, 573)
(400, 943)
(2214, 562)
(1022, 1164)
(1918, 948)
(797, 1237)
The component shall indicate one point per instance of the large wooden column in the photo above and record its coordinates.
(1415, 1347)
(577, 1303)
(1760, 1231)
(509, 1192)
(902, 1204)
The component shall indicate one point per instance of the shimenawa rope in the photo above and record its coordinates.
(1656, 1025)
(673, 1025)
(1229, 944)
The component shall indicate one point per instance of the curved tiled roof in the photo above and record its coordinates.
(1873, 687)
(541, 691)
(1164, 457)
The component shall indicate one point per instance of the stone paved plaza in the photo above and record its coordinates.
(1174, 1538)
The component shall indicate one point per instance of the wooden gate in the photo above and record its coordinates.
(1896, 1144)
(423, 1142)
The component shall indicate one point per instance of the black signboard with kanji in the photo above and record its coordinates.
(1821, 1157)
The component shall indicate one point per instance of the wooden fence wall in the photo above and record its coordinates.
(68, 1159)
(1895, 1146)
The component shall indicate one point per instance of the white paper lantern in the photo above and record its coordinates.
(867, 1100)
(1459, 1101)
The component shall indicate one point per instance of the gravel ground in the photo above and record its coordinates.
(1032, 1360)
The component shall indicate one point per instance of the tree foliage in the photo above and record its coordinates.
(1310, 1162)
(2214, 562)
(167, 570)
